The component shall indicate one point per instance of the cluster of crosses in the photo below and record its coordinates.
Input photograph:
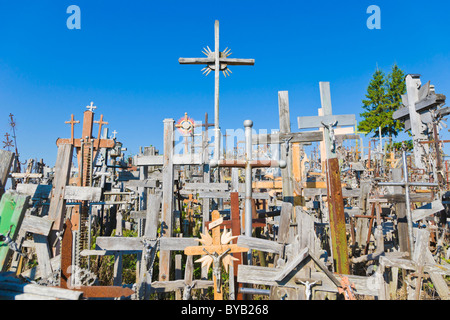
(329, 215)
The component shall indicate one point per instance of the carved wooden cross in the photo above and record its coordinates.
(216, 250)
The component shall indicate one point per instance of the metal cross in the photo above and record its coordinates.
(406, 184)
(217, 61)
(114, 134)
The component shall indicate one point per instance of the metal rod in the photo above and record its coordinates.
(248, 124)
(216, 91)
(408, 205)
(264, 292)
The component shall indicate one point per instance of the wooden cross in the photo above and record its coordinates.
(72, 123)
(217, 250)
(217, 61)
(100, 124)
(335, 196)
(418, 102)
(83, 145)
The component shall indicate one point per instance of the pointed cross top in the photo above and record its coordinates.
(91, 107)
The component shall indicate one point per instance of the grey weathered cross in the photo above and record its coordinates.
(217, 61)
(327, 121)
(418, 103)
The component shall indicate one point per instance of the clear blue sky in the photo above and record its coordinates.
(125, 59)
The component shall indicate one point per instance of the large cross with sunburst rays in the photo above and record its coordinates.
(216, 250)
(217, 61)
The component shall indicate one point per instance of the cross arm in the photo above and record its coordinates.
(316, 121)
(231, 62)
(199, 250)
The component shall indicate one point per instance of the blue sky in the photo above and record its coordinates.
(125, 59)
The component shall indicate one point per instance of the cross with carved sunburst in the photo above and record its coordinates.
(216, 250)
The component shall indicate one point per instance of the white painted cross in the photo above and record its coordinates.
(91, 107)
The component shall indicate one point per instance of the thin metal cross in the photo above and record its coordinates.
(217, 61)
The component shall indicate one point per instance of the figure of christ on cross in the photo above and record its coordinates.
(218, 251)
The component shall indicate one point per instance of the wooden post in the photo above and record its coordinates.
(6, 160)
(57, 206)
(167, 205)
(286, 153)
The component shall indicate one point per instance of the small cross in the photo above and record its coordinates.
(91, 107)
(72, 122)
(100, 124)
(8, 143)
(114, 134)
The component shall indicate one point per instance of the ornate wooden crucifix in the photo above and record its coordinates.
(216, 250)
(217, 61)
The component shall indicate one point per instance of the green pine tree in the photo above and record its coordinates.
(383, 98)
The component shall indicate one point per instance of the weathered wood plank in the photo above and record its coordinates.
(82, 193)
(62, 174)
(427, 210)
(6, 160)
(206, 186)
(260, 244)
(37, 225)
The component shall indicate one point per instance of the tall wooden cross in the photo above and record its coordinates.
(217, 61)
(335, 196)
(216, 250)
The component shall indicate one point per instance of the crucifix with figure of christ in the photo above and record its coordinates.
(217, 61)
(216, 250)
